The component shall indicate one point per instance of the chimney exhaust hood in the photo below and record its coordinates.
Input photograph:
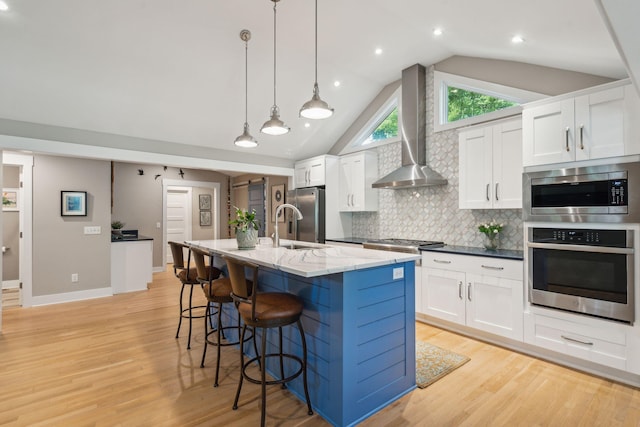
(413, 112)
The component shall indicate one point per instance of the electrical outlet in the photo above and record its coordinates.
(398, 273)
(158, 225)
(74, 278)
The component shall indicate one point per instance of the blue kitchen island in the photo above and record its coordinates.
(359, 321)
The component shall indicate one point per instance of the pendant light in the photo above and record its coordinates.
(274, 126)
(316, 108)
(246, 140)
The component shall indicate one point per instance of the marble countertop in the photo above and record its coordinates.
(319, 260)
(468, 250)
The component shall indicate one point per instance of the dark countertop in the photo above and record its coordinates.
(130, 239)
(461, 250)
(468, 250)
(355, 240)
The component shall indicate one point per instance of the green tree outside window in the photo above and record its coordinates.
(463, 103)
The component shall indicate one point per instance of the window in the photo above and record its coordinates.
(380, 128)
(462, 104)
(385, 130)
(462, 101)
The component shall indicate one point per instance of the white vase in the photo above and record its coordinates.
(247, 239)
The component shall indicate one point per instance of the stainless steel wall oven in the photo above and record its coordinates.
(588, 271)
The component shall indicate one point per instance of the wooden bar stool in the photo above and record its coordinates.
(217, 290)
(188, 277)
(265, 311)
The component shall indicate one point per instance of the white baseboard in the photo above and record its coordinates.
(11, 284)
(71, 296)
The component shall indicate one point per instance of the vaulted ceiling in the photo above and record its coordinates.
(174, 70)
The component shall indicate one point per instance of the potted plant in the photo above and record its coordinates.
(246, 226)
(116, 227)
(491, 232)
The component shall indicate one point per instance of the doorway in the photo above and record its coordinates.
(17, 226)
(181, 220)
(178, 220)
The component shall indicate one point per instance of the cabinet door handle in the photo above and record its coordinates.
(566, 138)
(490, 267)
(469, 291)
(575, 340)
(497, 198)
(440, 261)
(488, 199)
(460, 289)
(581, 137)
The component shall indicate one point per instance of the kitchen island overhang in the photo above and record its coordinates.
(359, 321)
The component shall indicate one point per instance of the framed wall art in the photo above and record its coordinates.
(205, 202)
(277, 199)
(205, 218)
(73, 203)
(10, 199)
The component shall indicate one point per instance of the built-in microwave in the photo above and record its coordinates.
(603, 193)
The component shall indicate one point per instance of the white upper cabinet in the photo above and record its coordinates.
(357, 173)
(310, 172)
(591, 125)
(491, 166)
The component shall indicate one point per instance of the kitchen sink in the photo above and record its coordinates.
(297, 246)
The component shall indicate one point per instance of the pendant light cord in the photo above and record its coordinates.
(316, 81)
(274, 52)
(246, 81)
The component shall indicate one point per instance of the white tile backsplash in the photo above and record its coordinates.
(432, 213)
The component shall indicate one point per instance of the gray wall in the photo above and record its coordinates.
(137, 200)
(60, 247)
(534, 78)
(10, 228)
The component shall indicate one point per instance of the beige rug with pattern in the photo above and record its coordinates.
(433, 363)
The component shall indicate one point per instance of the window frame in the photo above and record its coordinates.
(356, 143)
(441, 83)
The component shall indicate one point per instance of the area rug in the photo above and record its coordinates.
(433, 363)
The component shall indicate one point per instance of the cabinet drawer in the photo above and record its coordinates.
(497, 267)
(485, 266)
(604, 345)
(443, 261)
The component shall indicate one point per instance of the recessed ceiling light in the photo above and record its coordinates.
(437, 31)
(3, 6)
(517, 39)
(336, 83)
(378, 51)
(307, 124)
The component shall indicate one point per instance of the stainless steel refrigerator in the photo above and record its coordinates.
(311, 228)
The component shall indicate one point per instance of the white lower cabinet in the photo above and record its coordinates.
(480, 292)
(595, 340)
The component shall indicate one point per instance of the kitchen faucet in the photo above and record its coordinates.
(276, 238)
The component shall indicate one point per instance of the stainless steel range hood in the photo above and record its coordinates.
(413, 112)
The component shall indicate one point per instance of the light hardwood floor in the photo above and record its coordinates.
(115, 362)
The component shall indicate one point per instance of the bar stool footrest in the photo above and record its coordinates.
(185, 312)
(224, 344)
(273, 382)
